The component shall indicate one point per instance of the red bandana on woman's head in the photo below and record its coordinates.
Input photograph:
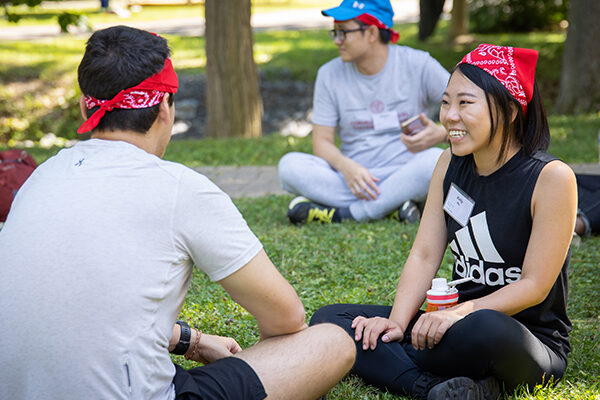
(513, 67)
(148, 93)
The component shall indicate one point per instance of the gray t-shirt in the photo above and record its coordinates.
(368, 109)
(97, 256)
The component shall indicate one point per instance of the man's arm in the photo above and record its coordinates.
(203, 347)
(263, 292)
(358, 178)
(323, 141)
(431, 135)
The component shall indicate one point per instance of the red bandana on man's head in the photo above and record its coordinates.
(513, 67)
(368, 19)
(148, 93)
(371, 20)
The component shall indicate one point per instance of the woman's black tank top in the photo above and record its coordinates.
(491, 247)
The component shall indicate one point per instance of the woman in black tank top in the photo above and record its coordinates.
(507, 210)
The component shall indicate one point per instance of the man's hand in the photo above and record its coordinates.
(431, 135)
(431, 327)
(369, 329)
(360, 181)
(212, 348)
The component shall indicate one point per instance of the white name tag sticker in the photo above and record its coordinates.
(385, 121)
(458, 205)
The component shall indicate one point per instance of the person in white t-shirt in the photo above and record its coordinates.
(367, 93)
(98, 252)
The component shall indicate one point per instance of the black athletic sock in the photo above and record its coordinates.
(344, 213)
(424, 383)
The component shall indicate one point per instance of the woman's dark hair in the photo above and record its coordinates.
(118, 58)
(385, 35)
(530, 131)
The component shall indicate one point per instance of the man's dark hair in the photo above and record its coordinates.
(118, 58)
(385, 35)
(530, 130)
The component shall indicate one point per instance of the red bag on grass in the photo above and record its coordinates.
(15, 167)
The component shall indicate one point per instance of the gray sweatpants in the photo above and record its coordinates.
(312, 177)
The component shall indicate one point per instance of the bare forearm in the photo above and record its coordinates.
(509, 300)
(329, 152)
(264, 293)
(413, 284)
(284, 324)
(176, 335)
(281, 312)
(426, 254)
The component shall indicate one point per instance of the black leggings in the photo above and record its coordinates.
(485, 343)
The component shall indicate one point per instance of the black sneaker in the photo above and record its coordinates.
(408, 211)
(466, 388)
(303, 210)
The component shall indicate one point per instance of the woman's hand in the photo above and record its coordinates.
(359, 179)
(369, 330)
(431, 327)
(212, 348)
(431, 135)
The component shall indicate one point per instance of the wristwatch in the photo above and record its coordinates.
(184, 339)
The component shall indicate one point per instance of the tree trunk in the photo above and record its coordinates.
(233, 102)
(580, 84)
(429, 15)
(460, 19)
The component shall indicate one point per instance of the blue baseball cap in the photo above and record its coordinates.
(350, 9)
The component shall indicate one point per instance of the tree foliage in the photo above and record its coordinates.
(64, 20)
(487, 16)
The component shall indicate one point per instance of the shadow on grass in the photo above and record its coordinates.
(24, 73)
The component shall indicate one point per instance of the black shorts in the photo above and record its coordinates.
(228, 378)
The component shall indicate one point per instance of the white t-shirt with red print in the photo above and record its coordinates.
(368, 109)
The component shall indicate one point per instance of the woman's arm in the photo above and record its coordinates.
(427, 251)
(420, 268)
(553, 209)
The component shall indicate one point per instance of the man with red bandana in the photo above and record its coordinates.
(98, 253)
(366, 94)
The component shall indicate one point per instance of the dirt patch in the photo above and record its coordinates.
(287, 105)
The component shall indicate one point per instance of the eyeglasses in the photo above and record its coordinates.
(340, 34)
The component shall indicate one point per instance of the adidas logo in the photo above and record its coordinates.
(475, 255)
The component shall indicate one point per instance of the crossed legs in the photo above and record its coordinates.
(485, 343)
(304, 365)
(312, 177)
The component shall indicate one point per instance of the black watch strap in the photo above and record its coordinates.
(184, 339)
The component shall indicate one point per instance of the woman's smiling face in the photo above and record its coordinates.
(465, 114)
